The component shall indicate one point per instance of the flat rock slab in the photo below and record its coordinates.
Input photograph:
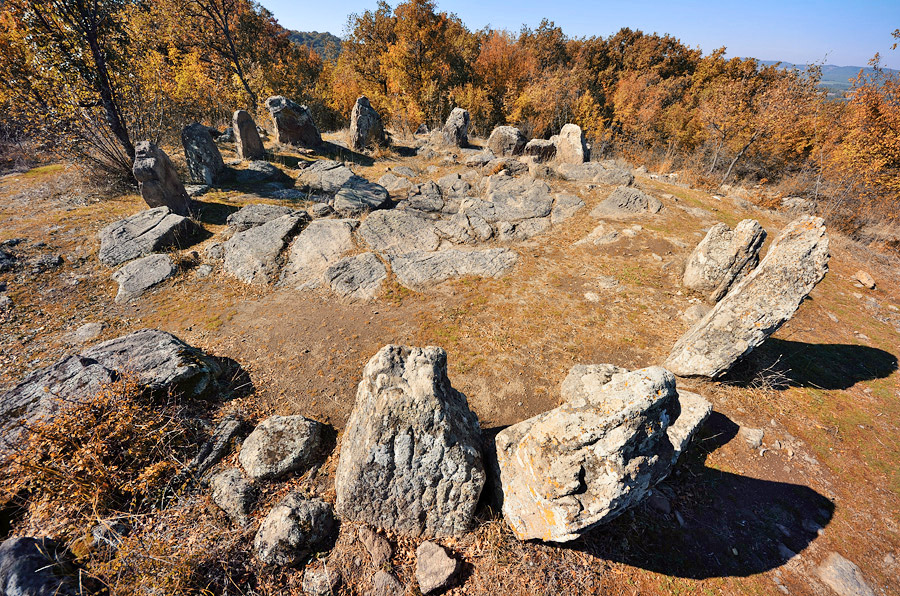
(140, 275)
(395, 185)
(254, 256)
(398, 232)
(144, 233)
(357, 278)
(257, 214)
(321, 244)
(513, 199)
(419, 270)
(411, 453)
(595, 172)
(325, 176)
(758, 305)
(723, 258)
(280, 445)
(564, 207)
(360, 196)
(625, 202)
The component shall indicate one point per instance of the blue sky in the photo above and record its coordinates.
(844, 33)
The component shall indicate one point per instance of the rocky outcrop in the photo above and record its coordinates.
(626, 202)
(248, 144)
(36, 567)
(254, 256)
(257, 214)
(582, 464)
(506, 141)
(564, 207)
(353, 194)
(280, 445)
(259, 171)
(204, 161)
(360, 196)
(570, 145)
(293, 123)
(596, 172)
(419, 270)
(366, 129)
(158, 179)
(292, 529)
(410, 455)
(757, 305)
(542, 150)
(144, 233)
(325, 176)
(395, 232)
(315, 249)
(356, 278)
(456, 129)
(723, 258)
(140, 275)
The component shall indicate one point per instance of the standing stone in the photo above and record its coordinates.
(204, 161)
(249, 145)
(293, 123)
(366, 128)
(506, 140)
(570, 145)
(158, 179)
(410, 456)
(456, 129)
(584, 463)
(723, 258)
(758, 305)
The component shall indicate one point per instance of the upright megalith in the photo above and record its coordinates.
(293, 123)
(723, 258)
(366, 128)
(506, 140)
(757, 306)
(570, 145)
(246, 137)
(204, 161)
(411, 453)
(158, 179)
(456, 129)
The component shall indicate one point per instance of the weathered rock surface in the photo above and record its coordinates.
(234, 494)
(584, 380)
(395, 185)
(366, 128)
(843, 576)
(143, 233)
(543, 150)
(723, 258)
(280, 445)
(570, 145)
(625, 202)
(357, 278)
(325, 176)
(595, 172)
(395, 232)
(293, 123)
(321, 580)
(418, 270)
(256, 215)
(757, 305)
(456, 129)
(294, 528)
(410, 456)
(377, 545)
(564, 207)
(512, 200)
(249, 145)
(360, 196)
(599, 453)
(506, 140)
(35, 567)
(254, 255)
(434, 567)
(865, 279)
(315, 249)
(385, 584)
(140, 275)
(425, 197)
(352, 194)
(204, 161)
(158, 179)
(258, 171)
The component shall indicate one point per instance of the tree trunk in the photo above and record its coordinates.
(738, 156)
(107, 98)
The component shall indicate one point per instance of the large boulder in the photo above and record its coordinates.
(411, 453)
(204, 161)
(249, 145)
(421, 269)
(325, 176)
(599, 453)
(506, 140)
(316, 248)
(723, 258)
(758, 305)
(512, 200)
(456, 129)
(280, 445)
(143, 233)
(36, 567)
(158, 179)
(540, 149)
(140, 275)
(627, 202)
(293, 123)
(570, 145)
(366, 128)
(294, 528)
(254, 256)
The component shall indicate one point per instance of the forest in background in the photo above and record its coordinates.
(90, 79)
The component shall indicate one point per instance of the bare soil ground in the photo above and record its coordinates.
(825, 388)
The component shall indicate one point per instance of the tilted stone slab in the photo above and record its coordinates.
(254, 256)
(248, 144)
(626, 202)
(757, 306)
(204, 161)
(595, 172)
(158, 179)
(315, 249)
(140, 275)
(293, 123)
(144, 233)
(724, 257)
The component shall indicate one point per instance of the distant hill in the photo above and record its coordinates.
(834, 78)
(328, 46)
